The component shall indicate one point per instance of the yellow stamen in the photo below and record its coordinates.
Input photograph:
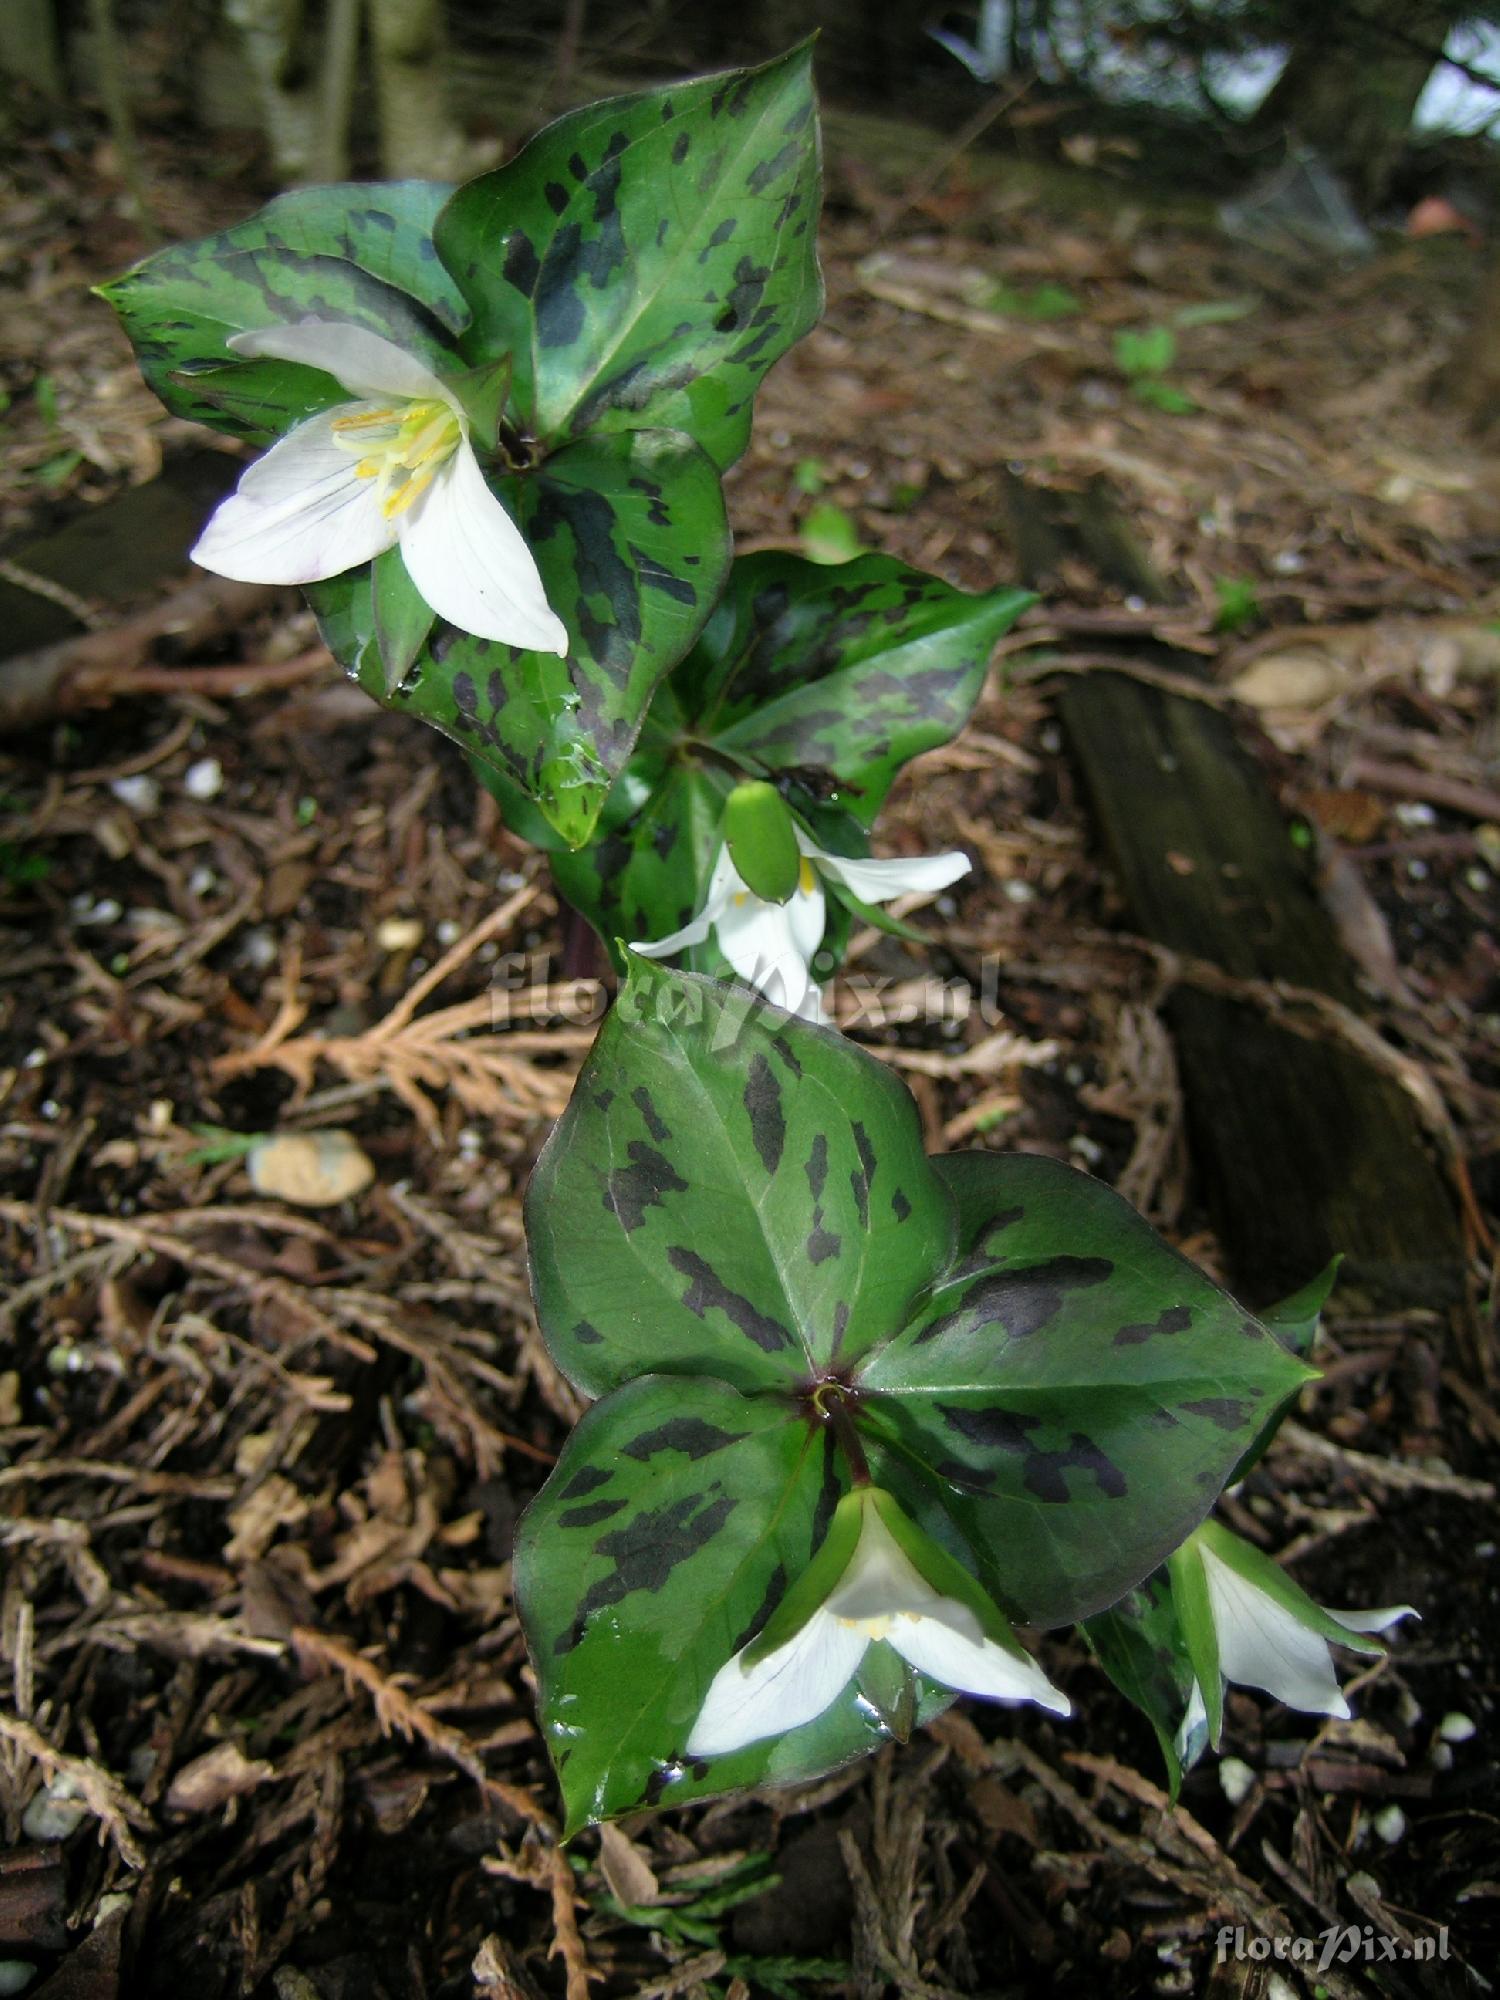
(807, 881)
(420, 437)
(408, 491)
(364, 420)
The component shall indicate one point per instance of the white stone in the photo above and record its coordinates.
(205, 779)
(1235, 1780)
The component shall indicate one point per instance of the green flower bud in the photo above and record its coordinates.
(762, 841)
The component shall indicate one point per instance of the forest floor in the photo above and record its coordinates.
(265, 1720)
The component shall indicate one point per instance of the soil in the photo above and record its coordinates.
(265, 1721)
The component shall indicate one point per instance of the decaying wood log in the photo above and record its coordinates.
(1302, 1148)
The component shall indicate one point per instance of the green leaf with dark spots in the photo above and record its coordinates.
(661, 1542)
(848, 676)
(630, 537)
(751, 1190)
(1073, 1395)
(362, 253)
(644, 260)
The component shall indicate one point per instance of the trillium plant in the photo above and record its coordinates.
(862, 1424)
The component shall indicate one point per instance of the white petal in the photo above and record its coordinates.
(757, 939)
(785, 1689)
(975, 1666)
(364, 362)
(1373, 1621)
(1262, 1645)
(879, 881)
(723, 881)
(693, 932)
(810, 1007)
(881, 1580)
(299, 514)
(806, 915)
(470, 561)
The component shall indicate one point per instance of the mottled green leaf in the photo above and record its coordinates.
(630, 537)
(751, 1190)
(362, 253)
(1073, 1395)
(659, 1546)
(844, 677)
(645, 260)
(1140, 1646)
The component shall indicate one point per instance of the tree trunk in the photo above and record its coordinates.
(1351, 84)
(273, 32)
(330, 155)
(1471, 379)
(30, 48)
(417, 135)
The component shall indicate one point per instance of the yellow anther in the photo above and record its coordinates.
(807, 881)
(420, 437)
(364, 420)
(410, 490)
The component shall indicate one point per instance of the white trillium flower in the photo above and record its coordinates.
(393, 468)
(1264, 1645)
(1266, 1631)
(881, 1596)
(771, 945)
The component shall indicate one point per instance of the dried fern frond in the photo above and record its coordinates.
(492, 1075)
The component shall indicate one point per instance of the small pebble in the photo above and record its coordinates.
(105, 911)
(1478, 879)
(1016, 890)
(202, 882)
(141, 793)
(1278, 1988)
(310, 1169)
(1440, 1757)
(399, 934)
(15, 1976)
(1389, 1824)
(448, 932)
(1417, 869)
(205, 779)
(54, 1812)
(1458, 1728)
(258, 950)
(1412, 812)
(1235, 1780)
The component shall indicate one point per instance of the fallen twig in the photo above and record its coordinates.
(102, 666)
(398, 1711)
(99, 1790)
